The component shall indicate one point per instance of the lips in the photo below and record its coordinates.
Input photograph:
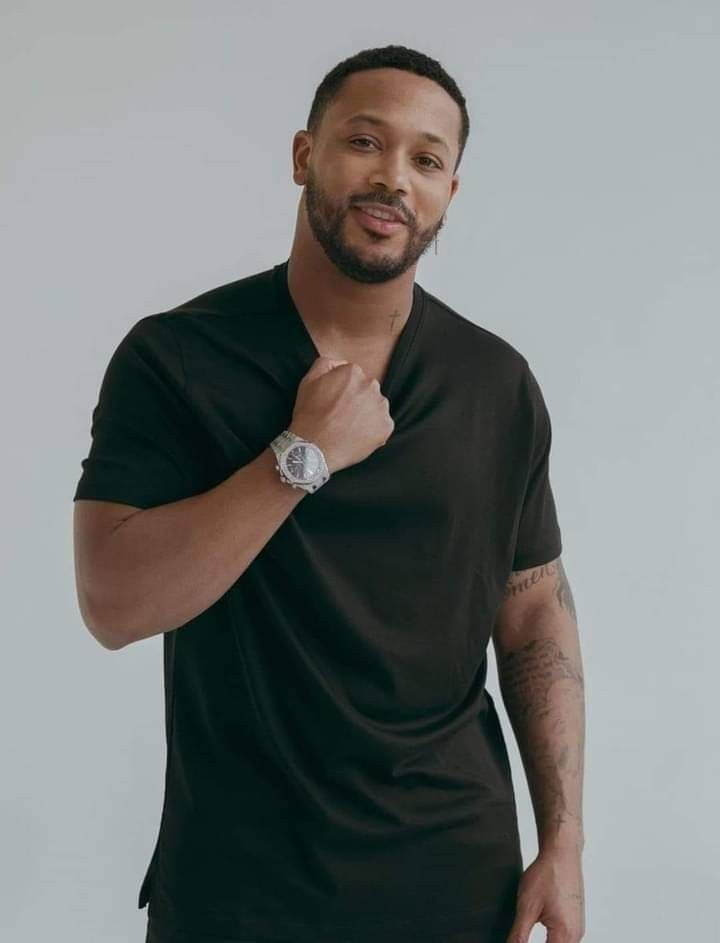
(384, 226)
(380, 208)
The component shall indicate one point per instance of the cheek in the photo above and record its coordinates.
(430, 220)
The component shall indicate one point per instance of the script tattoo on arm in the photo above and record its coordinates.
(523, 580)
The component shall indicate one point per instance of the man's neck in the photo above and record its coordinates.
(338, 311)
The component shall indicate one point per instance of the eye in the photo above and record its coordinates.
(433, 162)
(361, 139)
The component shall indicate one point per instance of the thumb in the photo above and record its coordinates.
(323, 365)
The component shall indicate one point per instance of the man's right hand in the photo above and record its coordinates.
(340, 408)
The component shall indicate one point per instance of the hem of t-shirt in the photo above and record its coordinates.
(384, 931)
(537, 557)
(117, 495)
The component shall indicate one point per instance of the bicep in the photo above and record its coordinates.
(526, 594)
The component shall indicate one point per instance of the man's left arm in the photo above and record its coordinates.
(537, 648)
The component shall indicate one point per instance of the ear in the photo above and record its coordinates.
(301, 150)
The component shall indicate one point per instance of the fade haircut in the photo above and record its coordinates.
(387, 57)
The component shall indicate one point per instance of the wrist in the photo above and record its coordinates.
(300, 461)
(316, 439)
(568, 844)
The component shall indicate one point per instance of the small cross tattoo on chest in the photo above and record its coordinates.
(393, 318)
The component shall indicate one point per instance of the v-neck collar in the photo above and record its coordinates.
(307, 344)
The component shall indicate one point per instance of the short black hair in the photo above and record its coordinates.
(387, 57)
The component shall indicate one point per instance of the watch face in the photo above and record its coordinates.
(303, 462)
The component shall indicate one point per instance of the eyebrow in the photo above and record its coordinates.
(373, 119)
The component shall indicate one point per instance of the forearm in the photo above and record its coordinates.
(165, 565)
(542, 685)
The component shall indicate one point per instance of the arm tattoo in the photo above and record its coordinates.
(529, 672)
(542, 684)
(522, 580)
(563, 593)
(549, 723)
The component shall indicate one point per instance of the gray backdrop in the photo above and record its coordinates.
(146, 157)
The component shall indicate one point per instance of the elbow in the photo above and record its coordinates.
(100, 627)
(112, 641)
(112, 644)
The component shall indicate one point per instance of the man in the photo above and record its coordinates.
(329, 491)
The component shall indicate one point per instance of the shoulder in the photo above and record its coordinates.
(229, 299)
(234, 309)
(472, 343)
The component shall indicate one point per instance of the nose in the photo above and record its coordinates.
(390, 174)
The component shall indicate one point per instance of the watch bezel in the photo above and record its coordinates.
(282, 460)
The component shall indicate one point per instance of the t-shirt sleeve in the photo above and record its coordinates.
(140, 452)
(538, 537)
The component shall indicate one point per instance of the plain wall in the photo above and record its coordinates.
(146, 157)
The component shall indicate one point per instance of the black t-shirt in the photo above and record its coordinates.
(336, 770)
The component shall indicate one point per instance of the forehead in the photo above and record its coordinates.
(405, 101)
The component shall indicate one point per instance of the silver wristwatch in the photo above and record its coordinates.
(300, 463)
